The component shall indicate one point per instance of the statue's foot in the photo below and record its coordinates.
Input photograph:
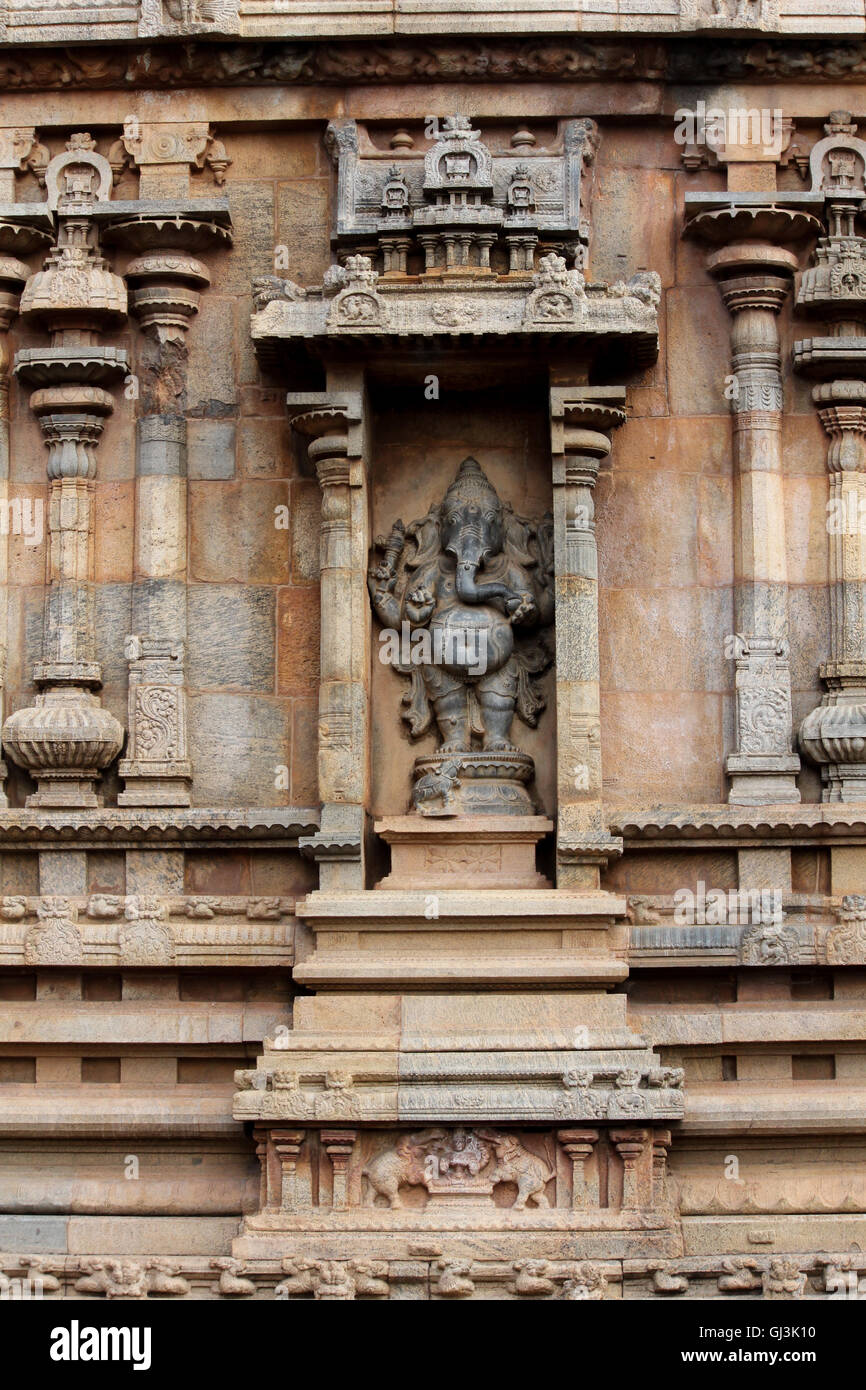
(499, 745)
(452, 745)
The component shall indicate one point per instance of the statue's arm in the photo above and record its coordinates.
(422, 592)
(386, 604)
(522, 609)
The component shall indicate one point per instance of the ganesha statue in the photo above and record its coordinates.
(466, 600)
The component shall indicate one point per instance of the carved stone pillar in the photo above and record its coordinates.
(13, 276)
(339, 1144)
(66, 738)
(834, 734)
(260, 1134)
(287, 1145)
(635, 1149)
(579, 1145)
(753, 266)
(661, 1145)
(166, 228)
(582, 418)
(20, 152)
(336, 450)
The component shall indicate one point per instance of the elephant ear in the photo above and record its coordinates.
(532, 658)
(544, 546)
(425, 534)
(518, 537)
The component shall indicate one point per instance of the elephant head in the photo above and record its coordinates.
(472, 529)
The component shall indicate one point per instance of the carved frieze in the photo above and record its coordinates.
(459, 1163)
(589, 1092)
(143, 929)
(419, 61)
(443, 1269)
(846, 943)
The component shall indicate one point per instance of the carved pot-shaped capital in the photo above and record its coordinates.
(835, 733)
(13, 277)
(165, 290)
(64, 731)
(72, 289)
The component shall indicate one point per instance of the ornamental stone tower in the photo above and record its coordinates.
(433, 782)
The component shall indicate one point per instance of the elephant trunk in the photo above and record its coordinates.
(470, 592)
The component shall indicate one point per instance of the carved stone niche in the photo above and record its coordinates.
(466, 594)
(475, 256)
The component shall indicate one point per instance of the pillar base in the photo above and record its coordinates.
(151, 786)
(64, 741)
(763, 781)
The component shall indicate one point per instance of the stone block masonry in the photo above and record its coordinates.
(432, 851)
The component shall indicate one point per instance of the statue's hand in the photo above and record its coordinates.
(419, 605)
(522, 609)
(381, 584)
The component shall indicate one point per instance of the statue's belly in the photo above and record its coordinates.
(471, 639)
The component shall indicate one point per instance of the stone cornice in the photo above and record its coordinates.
(133, 65)
(266, 827)
(699, 826)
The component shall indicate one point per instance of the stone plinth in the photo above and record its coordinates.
(446, 937)
(457, 1103)
(463, 851)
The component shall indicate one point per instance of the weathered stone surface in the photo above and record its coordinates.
(211, 450)
(239, 742)
(362, 1051)
(231, 637)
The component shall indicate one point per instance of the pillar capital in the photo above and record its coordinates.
(165, 152)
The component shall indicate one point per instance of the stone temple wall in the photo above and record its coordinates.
(432, 582)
